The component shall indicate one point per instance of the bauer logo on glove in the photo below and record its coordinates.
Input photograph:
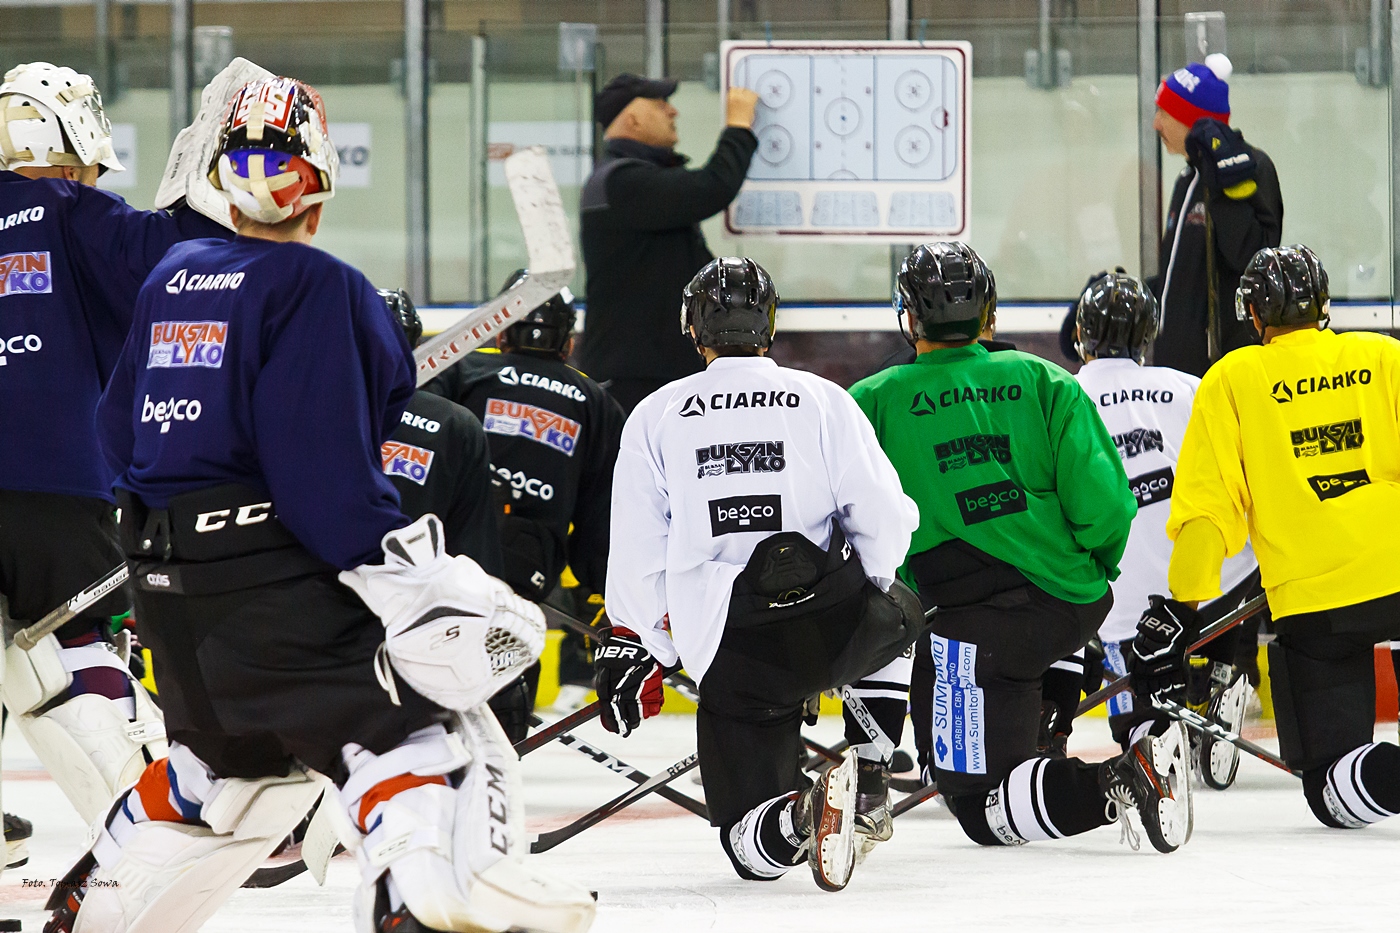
(1165, 634)
(628, 681)
(453, 632)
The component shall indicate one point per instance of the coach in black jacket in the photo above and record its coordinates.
(640, 214)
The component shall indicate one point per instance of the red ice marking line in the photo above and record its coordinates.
(659, 809)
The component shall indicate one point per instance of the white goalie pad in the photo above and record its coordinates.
(455, 633)
(545, 226)
(171, 877)
(89, 744)
(186, 170)
(456, 856)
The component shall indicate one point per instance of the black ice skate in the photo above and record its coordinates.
(67, 896)
(874, 824)
(1053, 739)
(17, 833)
(1153, 777)
(825, 817)
(1230, 695)
(392, 921)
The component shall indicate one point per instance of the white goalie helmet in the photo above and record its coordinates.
(53, 116)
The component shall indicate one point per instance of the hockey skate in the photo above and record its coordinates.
(874, 824)
(17, 833)
(1153, 777)
(1230, 696)
(826, 817)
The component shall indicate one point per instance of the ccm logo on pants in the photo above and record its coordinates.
(746, 513)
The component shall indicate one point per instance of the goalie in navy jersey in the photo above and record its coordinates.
(297, 619)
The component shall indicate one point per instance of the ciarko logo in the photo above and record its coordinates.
(1281, 392)
(509, 376)
(923, 405)
(694, 407)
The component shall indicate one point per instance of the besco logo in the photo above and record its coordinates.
(982, 503)
(521, 484)
(21, 344)
(173, 409)
(746, 513)
(1152, 487)
(186, 281)
(1330, 486)
(25, 274)
(406, 461)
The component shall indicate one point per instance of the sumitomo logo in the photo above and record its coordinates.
(186, 281)
(746, 513)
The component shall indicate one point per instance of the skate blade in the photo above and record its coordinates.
(833, 853)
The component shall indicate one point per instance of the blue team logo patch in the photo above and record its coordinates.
(25, 274)
(959, 708)
(405, 461)
(180, 344)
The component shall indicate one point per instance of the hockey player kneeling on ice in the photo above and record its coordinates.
(298, 621)
(1025, 510)
(1295, 443)
(756, 528)
(74, 257)
(1145, 409)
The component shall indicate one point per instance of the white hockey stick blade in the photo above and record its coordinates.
(319, 843)
(186, 169)
(551, 265)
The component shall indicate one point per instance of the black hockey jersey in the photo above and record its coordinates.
(439, 462)
(553, 434)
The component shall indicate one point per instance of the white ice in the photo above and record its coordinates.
(1258, 861)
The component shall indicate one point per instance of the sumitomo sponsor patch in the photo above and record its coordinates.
(179, 344)
(959, 708)
(25, 274)
(406, 461)
(516, 419)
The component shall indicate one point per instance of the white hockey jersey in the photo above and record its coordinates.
(1145, 409)
(712, 464)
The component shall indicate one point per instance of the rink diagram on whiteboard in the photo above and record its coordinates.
(857, 140)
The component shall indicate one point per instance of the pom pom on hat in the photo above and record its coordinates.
(1197, 91)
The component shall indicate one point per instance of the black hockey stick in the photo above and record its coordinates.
(927, 792)
(1201, 724)
(618, 766)
(554, 731)
(546, 841)
(1208, 634)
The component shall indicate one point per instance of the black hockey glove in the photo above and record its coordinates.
(1221, 156)
(1165, 633)
(1094, 658)
(628, 680)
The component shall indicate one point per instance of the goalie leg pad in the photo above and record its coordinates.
(34, 677)
(169, 876)
(454, 855)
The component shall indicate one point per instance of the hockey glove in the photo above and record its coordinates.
(1093, 665)
(1164, 636)
(1220, 154)
(628, 680)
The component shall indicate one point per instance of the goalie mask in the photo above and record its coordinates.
(545, 329)
(1284, 286)
(732, 302)
(53, 116)
(275, 157)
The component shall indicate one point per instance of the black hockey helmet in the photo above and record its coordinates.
(1284, 286)
(545, 329)
(402, 308)
(949, 289)
(732, 302)
(1117, 317)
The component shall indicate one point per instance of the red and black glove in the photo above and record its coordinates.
(1164, 636)
(628, 680)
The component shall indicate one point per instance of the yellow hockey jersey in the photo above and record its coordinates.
(1296, 445)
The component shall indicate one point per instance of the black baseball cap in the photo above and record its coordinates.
(625, 88)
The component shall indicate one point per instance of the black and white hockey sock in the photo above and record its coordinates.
(1059, 693)
(1360, 788)
(764, 844)
(1044, 798)
(874, 708)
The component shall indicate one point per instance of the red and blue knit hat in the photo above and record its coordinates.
(1198, 90)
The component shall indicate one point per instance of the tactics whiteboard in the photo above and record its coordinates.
(858, 140)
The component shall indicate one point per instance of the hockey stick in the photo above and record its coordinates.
(546, 841)
(618, 766)
(927, 792)
(1208, 634)
(1201, 724)
(28, 637)
(560, 728)
(551, 265)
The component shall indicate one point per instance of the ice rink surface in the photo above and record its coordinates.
(1258, 861)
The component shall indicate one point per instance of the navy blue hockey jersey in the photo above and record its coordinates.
(273, 365)
(72, 259)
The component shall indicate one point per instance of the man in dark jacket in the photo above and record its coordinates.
(640, 214)
(1226, 206)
